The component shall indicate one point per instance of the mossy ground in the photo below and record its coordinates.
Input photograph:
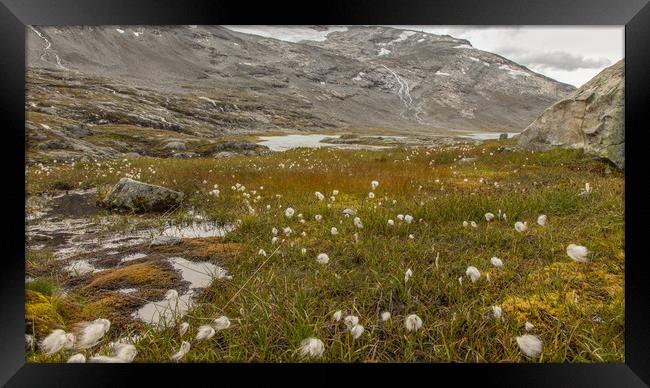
(275, 302)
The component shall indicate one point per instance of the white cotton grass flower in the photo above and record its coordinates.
(205, 332)
(121, 353)
(312, 347)
(400, 217)
(221, 323)
(262, 252)
(496, 262)
(337, 315)
(391, 222)
(350, 321)
(413, 322)
(320, 196)
(335, 192)
(334, 231)
(529, 326)
(407, 275)
(171, 295)
(521, 226)
(578, 253)
(289, 212)
(385, 316)
(374, 185)
(473, 273)
(465, 224)
(303, 251)
(287, 231)
(586, 190)
(77, 359)
(274, 231)
(357, 331)
(541, 220)
(408, 218)
(496, 312)
(29, 341)
(371, 195)
(530, 345)
(58, 339)
(358, 223)
(412, 237)
(322, 258)
(318, 217)
(182, 351)
(489, 216)
(92, 332)
(183, 328)
(274, 240)
(473, 224)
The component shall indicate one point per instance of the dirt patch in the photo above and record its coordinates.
(201, 249)
(75, 204)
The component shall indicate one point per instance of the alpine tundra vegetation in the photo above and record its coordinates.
(197, 194)
(561, 283)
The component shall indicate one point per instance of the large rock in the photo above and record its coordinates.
(590, 118)
(129, 194)
(176, 145)
(233, 148)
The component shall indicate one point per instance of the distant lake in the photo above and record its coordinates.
(287, 142)
(487, 135)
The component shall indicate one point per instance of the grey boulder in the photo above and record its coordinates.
(591, 118)
(176, 145)
(132, 195)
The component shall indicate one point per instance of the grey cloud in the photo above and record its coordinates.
(554, 60)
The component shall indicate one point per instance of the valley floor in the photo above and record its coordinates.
(276, 293)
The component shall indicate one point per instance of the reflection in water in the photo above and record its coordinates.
(166, 311)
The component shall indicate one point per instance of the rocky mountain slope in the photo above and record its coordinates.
(128, 85)
(591, 118)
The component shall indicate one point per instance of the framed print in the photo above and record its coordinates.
(401, 189)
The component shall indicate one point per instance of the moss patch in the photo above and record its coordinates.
(150, 274)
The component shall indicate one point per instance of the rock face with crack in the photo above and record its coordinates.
(132, 195)
(590, 118)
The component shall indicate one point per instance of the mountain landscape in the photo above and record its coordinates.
(370, 194)
(200, 84)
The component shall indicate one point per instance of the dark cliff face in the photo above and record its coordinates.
(591, 118)
(208, 81)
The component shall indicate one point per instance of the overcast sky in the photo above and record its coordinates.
(568, 54)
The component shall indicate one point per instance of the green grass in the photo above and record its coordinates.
(274, 304)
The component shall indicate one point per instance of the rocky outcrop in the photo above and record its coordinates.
(590, 118)
(132, 195)
(233, 148)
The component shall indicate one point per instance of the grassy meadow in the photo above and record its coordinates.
(277, 300)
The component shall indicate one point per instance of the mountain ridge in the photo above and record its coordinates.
(209, 81)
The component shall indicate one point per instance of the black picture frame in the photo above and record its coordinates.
(15, 15)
